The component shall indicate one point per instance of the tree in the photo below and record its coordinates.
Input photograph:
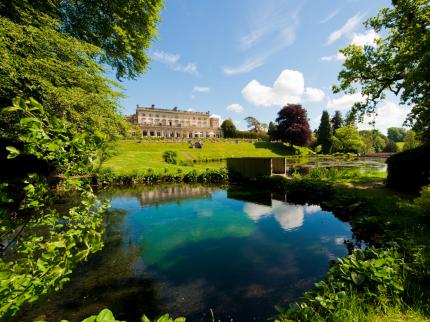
(272, 131)
(336, 121)
(42, 60)
(347, 139)
(398, 63)
(293, 126)
(253, 124)
(397, 134)
(121, 29)
(411, 141)
(325, 137)
(374, 141)
(229, 129)
(391, 147)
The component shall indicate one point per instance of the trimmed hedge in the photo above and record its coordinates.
(409, 170)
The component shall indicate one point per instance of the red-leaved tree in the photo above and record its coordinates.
(293, 126)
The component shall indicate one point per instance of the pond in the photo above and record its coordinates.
(187, 249)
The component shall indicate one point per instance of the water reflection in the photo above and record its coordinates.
(289, 216)
(184, 250)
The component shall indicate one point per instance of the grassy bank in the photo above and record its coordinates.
(135, 157)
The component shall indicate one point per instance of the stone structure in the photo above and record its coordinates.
(174, 123)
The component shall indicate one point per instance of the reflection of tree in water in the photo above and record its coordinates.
(113, 278)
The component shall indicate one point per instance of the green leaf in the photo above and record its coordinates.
(11, 109)
(13, 152)
(358, 279)
(144, 319)
(105, 315)
(26, 120)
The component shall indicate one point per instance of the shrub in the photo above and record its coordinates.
(214, 175)
(191, 176)
(170, 157)
(409, 170)
(391, 147)
(375, 276)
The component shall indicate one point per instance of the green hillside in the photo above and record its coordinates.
(132, 156)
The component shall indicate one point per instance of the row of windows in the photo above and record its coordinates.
(176, 124)
(176, 117)
(178, 134)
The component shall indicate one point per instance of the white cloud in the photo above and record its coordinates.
(330, 16)
(165, 57)
(215, 116)
(314, 94)
(337, 57)
(273, 21)
(190, 110)
(199, 89)
(349, 25)
(250, 39)
(172, 60)
(237, 108)
(345, 102)
(388, 114)
(245, 67)
(365, 39)
(271, 28)
(288, 88)
(189, 68)
(358, 39)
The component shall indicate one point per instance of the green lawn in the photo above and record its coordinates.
(132, 156)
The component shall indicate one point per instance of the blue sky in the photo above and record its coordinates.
(250, 57)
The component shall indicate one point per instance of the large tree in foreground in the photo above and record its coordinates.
(121, 29)
(293, 126)
(48, 52)
(399, 62)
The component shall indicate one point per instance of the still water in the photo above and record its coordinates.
(188, 249)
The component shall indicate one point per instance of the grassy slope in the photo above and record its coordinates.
(132, 156)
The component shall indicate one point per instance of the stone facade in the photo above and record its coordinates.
(174, 123)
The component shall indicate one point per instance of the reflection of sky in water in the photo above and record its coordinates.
(228, 253)
(289, 216)
(196, 250)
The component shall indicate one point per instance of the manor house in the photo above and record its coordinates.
(174, 123)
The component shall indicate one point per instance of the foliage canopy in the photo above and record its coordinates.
(121, 29)
(293, 126)
(398, 63)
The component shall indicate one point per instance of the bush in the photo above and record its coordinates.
(391, 147)
(376, 276)
(409, 170)
(170, 157)
(214, 176)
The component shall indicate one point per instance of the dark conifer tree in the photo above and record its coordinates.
(325, 136)
(337, 121)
